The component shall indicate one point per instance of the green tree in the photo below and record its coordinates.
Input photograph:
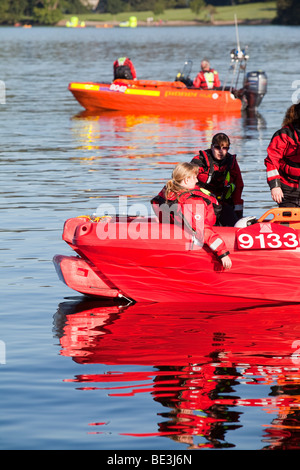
(196, 6)
(114, 6)
(158, 7)
(17, 10)
(47, 12)
(288, 12)
(72, 6)
(4, 11)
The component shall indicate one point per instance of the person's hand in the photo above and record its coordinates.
(226, 261)
(277, 195)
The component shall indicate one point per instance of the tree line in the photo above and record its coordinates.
(49, 12)
(44, 12)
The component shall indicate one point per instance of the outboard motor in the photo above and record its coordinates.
(255, 88)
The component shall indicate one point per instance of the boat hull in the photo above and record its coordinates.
(153, 97)
(81, 276)
(143, 260)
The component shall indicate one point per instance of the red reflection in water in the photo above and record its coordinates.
(200, 359)
(140, 136)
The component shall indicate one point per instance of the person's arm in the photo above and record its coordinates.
(239, 186)
(276, 151)
(217, 82)
(226, 262)
(277, 195)
(195, 212)
(132, 69)
(197, 83)
(200, 161)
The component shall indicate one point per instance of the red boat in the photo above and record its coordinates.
(154, 96)
(144, 260)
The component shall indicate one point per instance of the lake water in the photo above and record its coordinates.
(77, 374)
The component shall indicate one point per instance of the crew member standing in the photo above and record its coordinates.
(207, 78)
(123, 68)
(283, 160)
(220, 175)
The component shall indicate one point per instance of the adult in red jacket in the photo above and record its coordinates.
(123, 68)
(192, 208)
(207, 78)
(220, 174)
(283, 160)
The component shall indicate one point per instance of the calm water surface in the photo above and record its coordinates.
(77, 374)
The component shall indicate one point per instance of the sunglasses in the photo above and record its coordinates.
(218, 147)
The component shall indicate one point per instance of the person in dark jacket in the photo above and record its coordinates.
(124, 68)
(283, 160)
(220, 175)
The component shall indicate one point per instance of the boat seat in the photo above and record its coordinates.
(289, 216)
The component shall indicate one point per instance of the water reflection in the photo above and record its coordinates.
(141, 136)
(139, 151)
(253, 120)
(218, 375)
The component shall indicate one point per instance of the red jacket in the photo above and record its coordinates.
(195, 209)
(283, 160)
(207, 80)
(213, 175)
(122, 61)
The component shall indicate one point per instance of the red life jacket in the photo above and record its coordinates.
(283, 160)
(215, 177)
(223, 179)
(172, 210)
(207, 80)
(173, 213)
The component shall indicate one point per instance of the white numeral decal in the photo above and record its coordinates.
(270, 240)
(293, 238)
(246, 240)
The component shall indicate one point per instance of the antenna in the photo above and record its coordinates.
(238, 57)
(237, 36)
(236, 32)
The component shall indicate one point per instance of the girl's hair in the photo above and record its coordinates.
(292, 116)
(220, 138)
(181, 171)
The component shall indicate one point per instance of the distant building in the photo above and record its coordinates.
(90, 3)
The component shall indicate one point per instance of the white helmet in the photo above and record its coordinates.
(246, 221)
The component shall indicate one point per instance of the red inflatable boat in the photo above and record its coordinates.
(144, 260)
(152, 96)
(179, 96)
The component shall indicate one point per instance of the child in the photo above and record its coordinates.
(192, 206)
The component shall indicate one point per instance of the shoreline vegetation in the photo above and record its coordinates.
(260, 13)
(73, 13)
